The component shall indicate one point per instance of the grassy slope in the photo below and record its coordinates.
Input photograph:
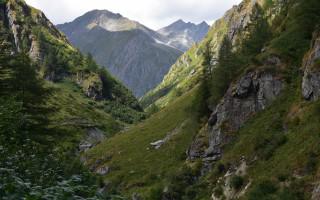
(135, 165)
(281, 141)
(73, 111)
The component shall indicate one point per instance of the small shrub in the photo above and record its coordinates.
(218, 192)
(263, 190)
(220, 168)
(236, 182)
(283, 177)
(156, 193)
(312, 163)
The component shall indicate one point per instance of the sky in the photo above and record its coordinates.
(153, 13)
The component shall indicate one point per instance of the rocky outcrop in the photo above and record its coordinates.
(93, 138)
(170, 135)
(228, 192)
(15, 28)
(20, 20)
(251, 94)
(316, 192)
(311, 65)
(239, 18)
(235, 25)
(91, 84)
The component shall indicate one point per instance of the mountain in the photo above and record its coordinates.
(132, 52)
(56, 103)
(235, 117)
(184, 35)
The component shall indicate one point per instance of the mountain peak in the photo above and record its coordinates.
(183, 35)
(105, 13)
(180, 21)
(204, 23)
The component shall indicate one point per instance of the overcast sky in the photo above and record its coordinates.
(152, 13)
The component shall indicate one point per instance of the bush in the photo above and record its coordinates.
(218, 192)
(220, 168)
(312, 163)
(263, 190)
(236, 182)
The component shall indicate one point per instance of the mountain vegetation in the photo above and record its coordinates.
(236, 117)
(254, 135)
(52, 98)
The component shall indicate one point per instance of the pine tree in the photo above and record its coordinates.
(91, 64)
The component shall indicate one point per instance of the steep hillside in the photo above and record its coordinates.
(254, 135)
(188, 70)
(183, 35)
(55, 103)
(133, 53)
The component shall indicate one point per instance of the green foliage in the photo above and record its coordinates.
(31, 165)
(236, 182)
(220, 75)
(266, 146)
(150, 169)
(123, 112)
(269, 190)
(220, 72)
(218, 192)
(298, 24)
(264, 190)
(183, 179)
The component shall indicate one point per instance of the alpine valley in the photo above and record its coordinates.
(133, 53)
(236, 116)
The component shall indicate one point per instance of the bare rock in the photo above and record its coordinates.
(251, 94)
(102, 170)
(311, 78)
(136, 196)
(94, 137)
(316, 192)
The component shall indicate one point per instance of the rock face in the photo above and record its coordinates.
(91, 84)
(133, 53)
(316, 192)
(311, 65)
(234, 25)
(94, 137)
(21, 29)
(251, 94)
(183, 35)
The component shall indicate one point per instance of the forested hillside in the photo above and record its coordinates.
(55, 103)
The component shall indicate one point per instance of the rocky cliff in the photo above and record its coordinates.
(28, 30)
(188, 70)
(311, 64)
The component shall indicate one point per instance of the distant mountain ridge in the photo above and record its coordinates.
(183, 35)
(132, 52)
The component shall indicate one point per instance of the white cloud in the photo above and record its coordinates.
(152, 13)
